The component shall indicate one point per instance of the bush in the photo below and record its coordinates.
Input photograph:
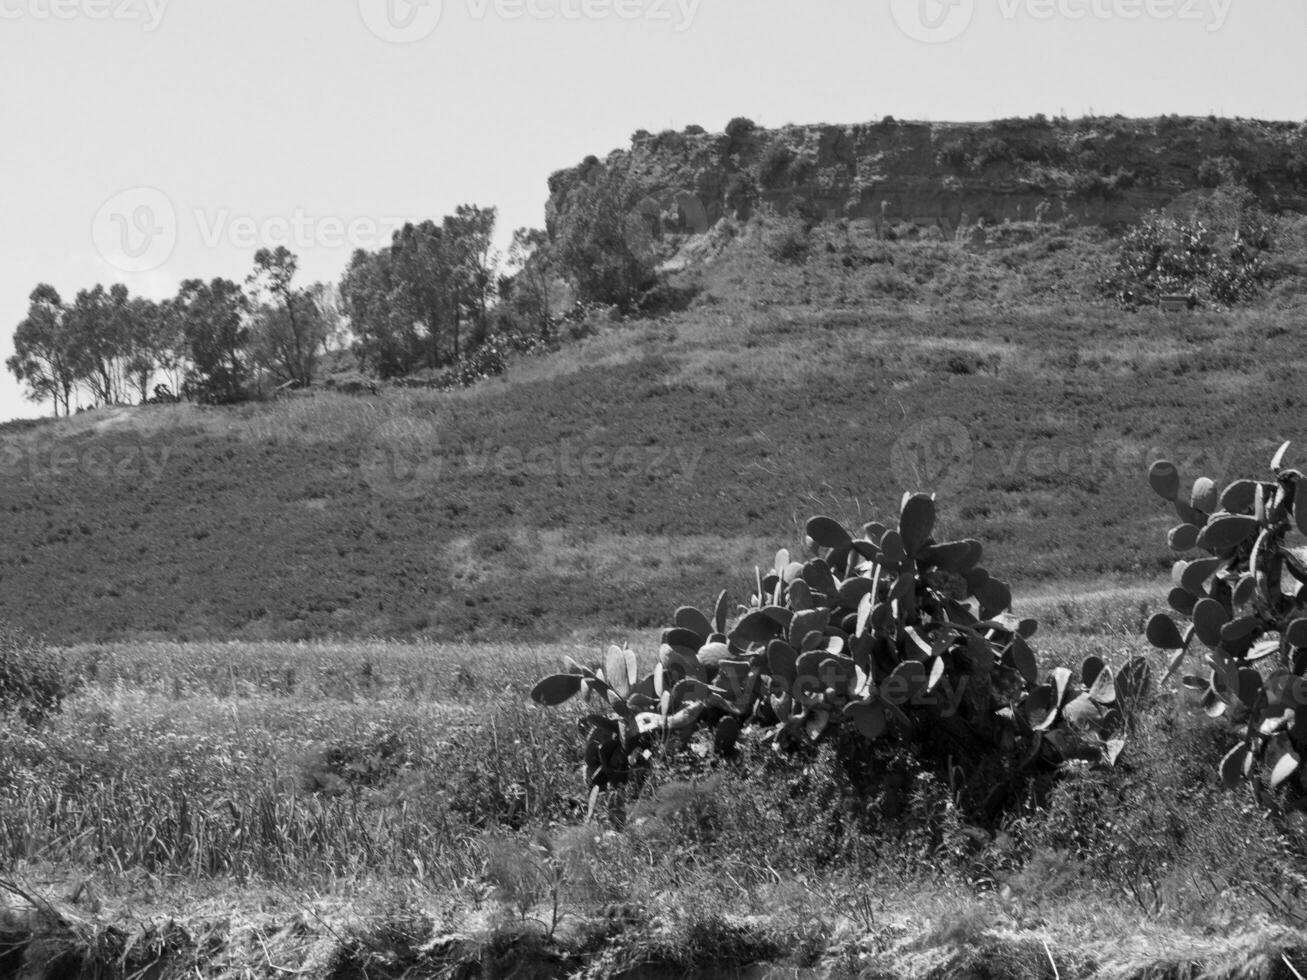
(953, 155)
(33, 681)
(789, 241)
(1244, 598)
(993, 150)
(894, 650)
(490, 360)
(1163, 255)
(775, 165)
(1216, 172)
(740, 127)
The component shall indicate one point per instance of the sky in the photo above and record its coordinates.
(151, 141)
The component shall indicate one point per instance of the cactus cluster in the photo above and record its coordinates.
(889, 634)
(1245, 596)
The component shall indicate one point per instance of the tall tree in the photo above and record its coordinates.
(468, 237)
(212, 316)
(42, 351)
(532, 265)
(150, 344)
(596, 241)
(326, 299)
(294, 336)
(99, 326)
(420, 284)
(387, 338)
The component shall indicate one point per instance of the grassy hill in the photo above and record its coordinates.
(656, 461)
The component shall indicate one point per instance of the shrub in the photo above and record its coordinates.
(774, 165)
(33, 680)
(740, 193)
(1218, 171)
(993, 150)
(1247, 605)
(740, 127)
(1297, 168)
(1162, 254)
(788, 241)
(953, 155)
(489, 360)
(897, 649)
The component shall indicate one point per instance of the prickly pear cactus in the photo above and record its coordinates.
(1242, 585)
(887, 633)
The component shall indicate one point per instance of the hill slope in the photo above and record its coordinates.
(656, 461)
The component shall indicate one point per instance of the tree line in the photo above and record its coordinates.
(429, 300)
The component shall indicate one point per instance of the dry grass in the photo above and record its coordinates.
(187, 806)
(395, 928)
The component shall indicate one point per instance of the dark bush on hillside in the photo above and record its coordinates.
(1298, 168)
(669, 141)
(665, 298)
(490, 360)
(775, 165)
(740, 126)
(1163, 255)
(788, 241)
(33, 681)
(991, 151)
(953, 155)
(741, 192)
(1217, 171)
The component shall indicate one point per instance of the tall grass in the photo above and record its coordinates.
(320, 765)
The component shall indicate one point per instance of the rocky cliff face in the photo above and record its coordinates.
(1104, 171)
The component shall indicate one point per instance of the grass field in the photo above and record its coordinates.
(378, 807)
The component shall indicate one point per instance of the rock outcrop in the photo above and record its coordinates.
(1105, 171)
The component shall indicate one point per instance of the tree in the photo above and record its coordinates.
(212, 317)
(593, 241)
(532, 263)
(151, 343)
(421, 268)
(99, 328)
(387, 340)
(288, 350)
(294, 336)
(467, 238)
(170, 346)
(42, 351)
(326, 299)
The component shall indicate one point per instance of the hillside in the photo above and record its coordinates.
(649, 461)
